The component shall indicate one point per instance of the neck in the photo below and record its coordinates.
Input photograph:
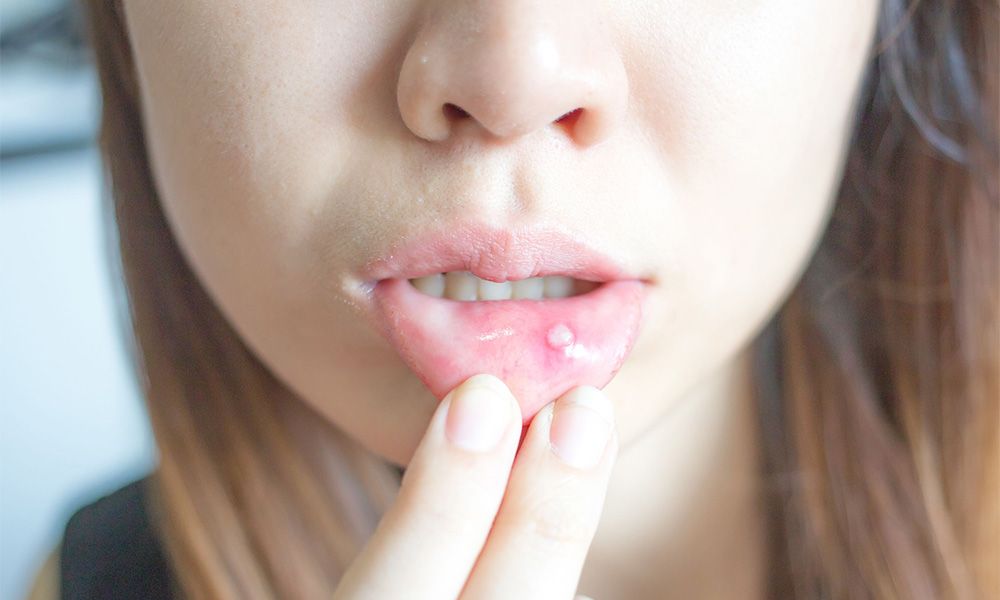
(682, 518)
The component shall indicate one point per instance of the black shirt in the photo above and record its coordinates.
(110, 550)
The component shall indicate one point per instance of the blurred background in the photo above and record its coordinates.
(72, 424)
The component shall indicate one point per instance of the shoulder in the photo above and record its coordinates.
(46, 583)
(110, 549)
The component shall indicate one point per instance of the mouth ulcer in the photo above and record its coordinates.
(465, 287)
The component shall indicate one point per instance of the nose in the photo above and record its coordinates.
(510, 67)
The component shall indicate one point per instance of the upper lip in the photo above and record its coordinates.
(495, 254)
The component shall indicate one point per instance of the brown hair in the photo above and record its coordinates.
(877, 381)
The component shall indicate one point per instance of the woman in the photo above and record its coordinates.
(645, 299)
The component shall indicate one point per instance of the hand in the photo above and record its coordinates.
(467, 525)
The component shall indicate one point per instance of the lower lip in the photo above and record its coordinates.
(539, 348)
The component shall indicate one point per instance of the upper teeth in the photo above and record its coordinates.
(462, 285)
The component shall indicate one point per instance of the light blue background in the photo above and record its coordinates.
(72, 426)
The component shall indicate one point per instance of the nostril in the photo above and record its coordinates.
(570, 118)
(568, 121)
(452, 111)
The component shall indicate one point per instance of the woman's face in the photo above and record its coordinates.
(296, 144)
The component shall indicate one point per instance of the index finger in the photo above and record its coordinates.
(427, 542)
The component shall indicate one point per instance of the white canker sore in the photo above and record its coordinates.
(560, 336)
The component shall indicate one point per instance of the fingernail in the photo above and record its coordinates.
(479, 413)
(581, 427)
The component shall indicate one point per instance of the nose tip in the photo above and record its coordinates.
(508, 69)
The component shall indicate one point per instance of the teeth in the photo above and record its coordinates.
(460, 285)
(558, 286)
(528, 289)
(491, 290)
(464, 286)
(432, 285)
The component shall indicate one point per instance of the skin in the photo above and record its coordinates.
(293, 142)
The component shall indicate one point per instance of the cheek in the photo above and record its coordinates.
(251, 107)
(751, 109)
(248, 127)
(774, 139)
(247, 123)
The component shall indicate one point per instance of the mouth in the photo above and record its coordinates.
(541, 310)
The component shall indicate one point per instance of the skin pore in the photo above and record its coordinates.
(292, 143)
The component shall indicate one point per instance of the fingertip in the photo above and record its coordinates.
(481, 412)
(497, 385)
(489, 381)
(591, 397)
